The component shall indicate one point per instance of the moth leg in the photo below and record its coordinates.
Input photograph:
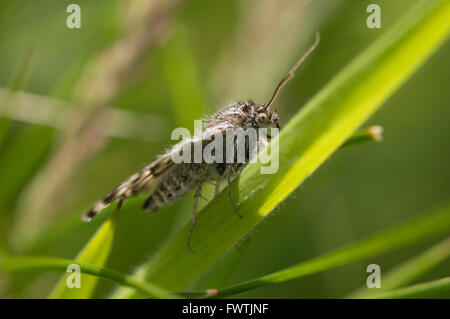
(118, 206)
(229, 168)
(217, 187)
(197, 195)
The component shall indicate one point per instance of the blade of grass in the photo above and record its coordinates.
(96, 253)
(43, 263)
(50, 112)
(183, 79)
(305, 143)
(424, 226)
(18, 82)
(218, 274)
(371, 134)
(417, 291)
(36, 141)
(409, 270)
(31, 139)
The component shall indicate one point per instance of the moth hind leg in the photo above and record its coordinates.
(229, 169)
(119, 205)
(197, 195)
(217, 189)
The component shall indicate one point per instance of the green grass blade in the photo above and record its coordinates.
(96, 253)
(409, 270)
(311, 137)
(18, 82)
(183, 79)
(419, 228)
(37, 142)
(218, 274)
(370, 134)
(39, 263)
(417, 291)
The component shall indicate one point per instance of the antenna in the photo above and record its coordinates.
(291, 72)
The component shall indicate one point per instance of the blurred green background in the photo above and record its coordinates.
(201, 55)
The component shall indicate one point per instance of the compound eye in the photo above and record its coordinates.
(261, 117)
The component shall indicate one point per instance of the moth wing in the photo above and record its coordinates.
(135, 184)
(150, 175)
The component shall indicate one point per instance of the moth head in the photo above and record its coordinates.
(266, 118)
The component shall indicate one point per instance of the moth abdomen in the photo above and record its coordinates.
(175, 185)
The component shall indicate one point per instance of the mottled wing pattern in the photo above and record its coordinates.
(135, 184)
(155, 172)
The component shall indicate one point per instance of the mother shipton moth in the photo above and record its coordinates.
(172, 180)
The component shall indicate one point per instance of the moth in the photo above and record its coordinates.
(170, 181)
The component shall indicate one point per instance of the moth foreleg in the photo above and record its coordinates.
(229, 169)
(197, 195)
(217, 190)
(118, 206)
